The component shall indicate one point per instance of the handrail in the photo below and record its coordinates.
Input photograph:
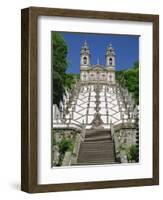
(83, 133)
(114, 145)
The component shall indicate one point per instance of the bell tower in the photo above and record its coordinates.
(110, 64)
(85, 56)
(84, 61)
(110, 56)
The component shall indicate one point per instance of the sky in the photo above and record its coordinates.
(126, 49)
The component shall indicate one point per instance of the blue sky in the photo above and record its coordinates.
(126, 49)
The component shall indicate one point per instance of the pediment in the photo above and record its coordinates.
(98, 68)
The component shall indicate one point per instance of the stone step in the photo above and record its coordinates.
(102, 141)
(96, 147)
(96, 157)
(90, 159)
(88, 134)
(90, 152)
(97, 138)
(96, 163)
(94, 151)
(98, 132)
(97, 143)
(85, 149)
(91, 131)
(97, 160)
(97, 135)
(100, 129)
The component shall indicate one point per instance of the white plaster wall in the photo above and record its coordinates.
(102, 75)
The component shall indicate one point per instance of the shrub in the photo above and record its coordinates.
(133, 153)
(65, 145)
(130, 79)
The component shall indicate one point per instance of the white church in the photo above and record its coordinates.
(94, 73)
(99, 113)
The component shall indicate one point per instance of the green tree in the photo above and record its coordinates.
(59, 62)
(130, 79)
(70, 80)
(61, 80)
(64, 145)
(133, 153)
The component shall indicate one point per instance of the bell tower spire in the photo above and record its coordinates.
(110, 56)
(84, 61)
(85, 55)
(110, 64)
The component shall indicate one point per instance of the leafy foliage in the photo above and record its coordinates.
(59, 54)
(61, 80)
(130, 79)
(64, 145)
(133, 153)
(70, 80)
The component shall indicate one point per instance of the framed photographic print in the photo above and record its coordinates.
(90, 99)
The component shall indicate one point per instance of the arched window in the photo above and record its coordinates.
(85, 60)
(110, 61)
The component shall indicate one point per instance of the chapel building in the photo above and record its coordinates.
(90, 73)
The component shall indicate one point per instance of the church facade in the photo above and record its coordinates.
(97, 73)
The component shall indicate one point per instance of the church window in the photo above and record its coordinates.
(110, 61)
(85, 60)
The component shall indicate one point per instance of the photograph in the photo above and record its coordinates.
(95, 99)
